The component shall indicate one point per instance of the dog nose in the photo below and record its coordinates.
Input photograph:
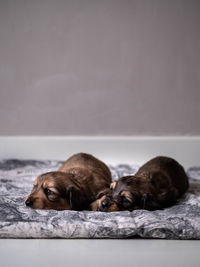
(104, 204)
(29, 202)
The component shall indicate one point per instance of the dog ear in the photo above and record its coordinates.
(71, 196)
(144, 201)
(147, 203)
(75, 198)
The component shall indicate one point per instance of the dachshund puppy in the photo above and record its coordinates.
(157, 184)
(74, 186)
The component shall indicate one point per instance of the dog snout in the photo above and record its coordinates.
(28, 202)
(104, 205)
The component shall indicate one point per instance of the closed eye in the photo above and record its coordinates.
(124, 199)
(48, 192)
(52, 195)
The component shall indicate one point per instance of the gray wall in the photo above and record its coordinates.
(99, 67)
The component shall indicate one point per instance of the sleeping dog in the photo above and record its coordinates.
(74, 186)
(157, 184)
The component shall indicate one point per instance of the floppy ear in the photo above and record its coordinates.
(144, 201)
(71, 196)
(75, 198)
(147, 203)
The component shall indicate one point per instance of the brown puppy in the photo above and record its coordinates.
(157, 184)
(74, 186)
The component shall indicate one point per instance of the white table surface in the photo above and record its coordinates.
(94, 253)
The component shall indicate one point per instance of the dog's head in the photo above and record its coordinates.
(53, 190)
(101, 196)
(122, 195)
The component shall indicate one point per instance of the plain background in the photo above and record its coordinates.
(99, 67)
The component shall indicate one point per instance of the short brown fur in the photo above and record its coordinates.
(74, 186)
(157, 184)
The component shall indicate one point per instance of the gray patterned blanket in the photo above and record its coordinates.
(181, 221)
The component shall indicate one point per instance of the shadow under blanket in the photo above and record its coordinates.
(181, 221)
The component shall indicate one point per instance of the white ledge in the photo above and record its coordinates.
(111, 149)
